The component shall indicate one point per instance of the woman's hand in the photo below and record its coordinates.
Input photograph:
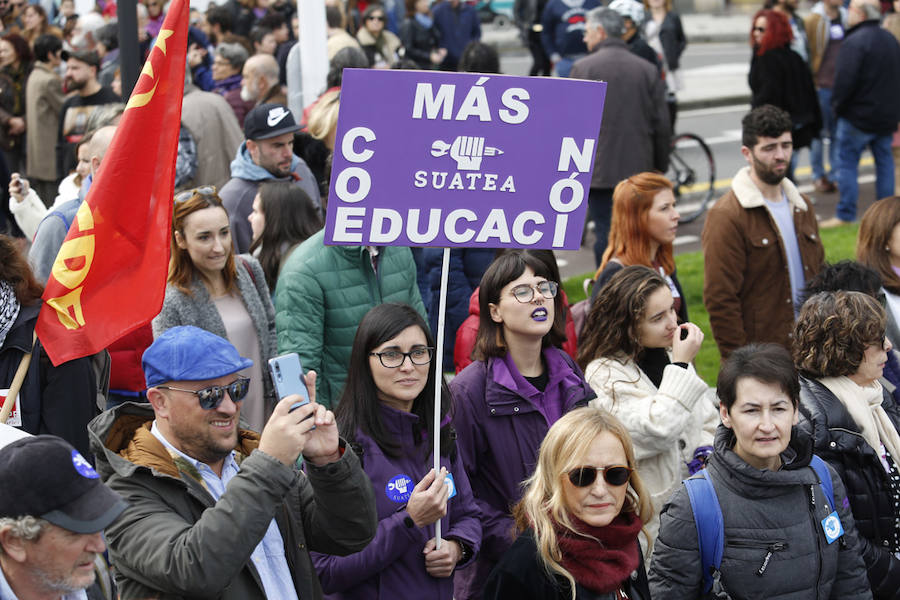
(684, 350)
(440, 563)
(428, 501)
(437, 56)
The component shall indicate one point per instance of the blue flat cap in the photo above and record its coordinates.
(188, 353)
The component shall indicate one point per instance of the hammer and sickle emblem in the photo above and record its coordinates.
(139, 99)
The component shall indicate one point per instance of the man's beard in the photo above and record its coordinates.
(766, 174)
(73, 85)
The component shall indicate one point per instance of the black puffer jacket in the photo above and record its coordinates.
(775, 547)
(838, 440)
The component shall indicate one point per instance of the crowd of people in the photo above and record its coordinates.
(580, 453)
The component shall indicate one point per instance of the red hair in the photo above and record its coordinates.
(778, 31)
(629, 240)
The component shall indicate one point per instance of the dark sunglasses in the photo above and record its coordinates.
(585, 476)
(206, 190)
(376, 18)
(760, 29)
(212, 396)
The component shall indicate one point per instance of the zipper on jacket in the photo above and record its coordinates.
(815, 530)
(770, 548)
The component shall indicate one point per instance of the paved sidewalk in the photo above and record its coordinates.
(714, 85)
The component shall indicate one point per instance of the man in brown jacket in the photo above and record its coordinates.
(760, 241)
(635, 132)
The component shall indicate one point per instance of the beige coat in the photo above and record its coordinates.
(43, 101)
(666, 424)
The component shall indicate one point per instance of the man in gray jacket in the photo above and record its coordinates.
(635, 132)
(267, 153)
(216, 511)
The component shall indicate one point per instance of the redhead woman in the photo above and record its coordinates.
(644, 225)
(878, 247)
(387, 413)
(579, 518)
(638, 359)
(211, 288)
(519, 385)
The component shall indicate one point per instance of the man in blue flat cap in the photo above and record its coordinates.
(216, 511)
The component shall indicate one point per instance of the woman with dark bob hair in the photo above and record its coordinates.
(644, 225)
(634, 357)
(283, 216)
(777, 544)
(58, 400)
(386, 412)
(840, 350)
(210, 288)
(878, 247)
(579, 517)
(519, 385)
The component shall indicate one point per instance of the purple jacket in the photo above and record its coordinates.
(392, 566)
(500, 420)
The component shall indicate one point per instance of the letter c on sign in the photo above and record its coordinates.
(350, 138)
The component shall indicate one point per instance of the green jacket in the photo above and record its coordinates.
(323, 293)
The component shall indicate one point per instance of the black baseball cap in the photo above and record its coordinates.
(89, 57)
(44, 476)
(269, 120)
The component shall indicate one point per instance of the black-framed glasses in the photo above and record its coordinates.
(525, 293)
(211, 397)
(376, 18)
(420, 355)
(205, 190)
(616, 475)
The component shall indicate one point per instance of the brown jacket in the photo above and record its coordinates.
(747, 289)
(635, 132)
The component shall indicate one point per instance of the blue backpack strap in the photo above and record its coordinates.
(824, 474)
(709, 523)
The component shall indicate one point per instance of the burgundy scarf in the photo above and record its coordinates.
(600, 567)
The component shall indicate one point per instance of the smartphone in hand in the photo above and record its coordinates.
(287, 375)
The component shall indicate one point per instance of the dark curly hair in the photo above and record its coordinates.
(764, 121)
(833, 331)
(612, 325)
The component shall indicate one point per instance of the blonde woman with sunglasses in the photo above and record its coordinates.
(211, 288)
(579, 518)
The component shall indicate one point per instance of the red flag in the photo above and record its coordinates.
(109, 277)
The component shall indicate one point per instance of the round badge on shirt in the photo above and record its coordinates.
(399, 488)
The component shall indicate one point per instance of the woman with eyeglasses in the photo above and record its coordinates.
(878, 247)
(381, 46)
(638, 359)
(519, 385)
(644, 225)
(840, 349)
(579, 518)
(211, 288)
(386, 413)
(783, 537)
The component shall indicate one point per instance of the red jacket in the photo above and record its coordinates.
(468, 331)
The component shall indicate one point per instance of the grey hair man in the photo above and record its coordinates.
(259, 80)
(634, 136)
(53, 509)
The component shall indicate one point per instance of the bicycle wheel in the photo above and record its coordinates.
(692, 171)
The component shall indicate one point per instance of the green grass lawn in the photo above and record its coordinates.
(840, 243)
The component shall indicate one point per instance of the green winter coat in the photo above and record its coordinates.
(323, 293)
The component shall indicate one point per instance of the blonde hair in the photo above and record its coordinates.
(544, 500)
(323, 115)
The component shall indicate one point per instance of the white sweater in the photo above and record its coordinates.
(666, 424)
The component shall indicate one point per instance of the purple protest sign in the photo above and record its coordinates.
(426, 158)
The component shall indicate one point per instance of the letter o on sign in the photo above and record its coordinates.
(343, 181)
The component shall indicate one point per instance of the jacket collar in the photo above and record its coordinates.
(749, 196)
(121, 440)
